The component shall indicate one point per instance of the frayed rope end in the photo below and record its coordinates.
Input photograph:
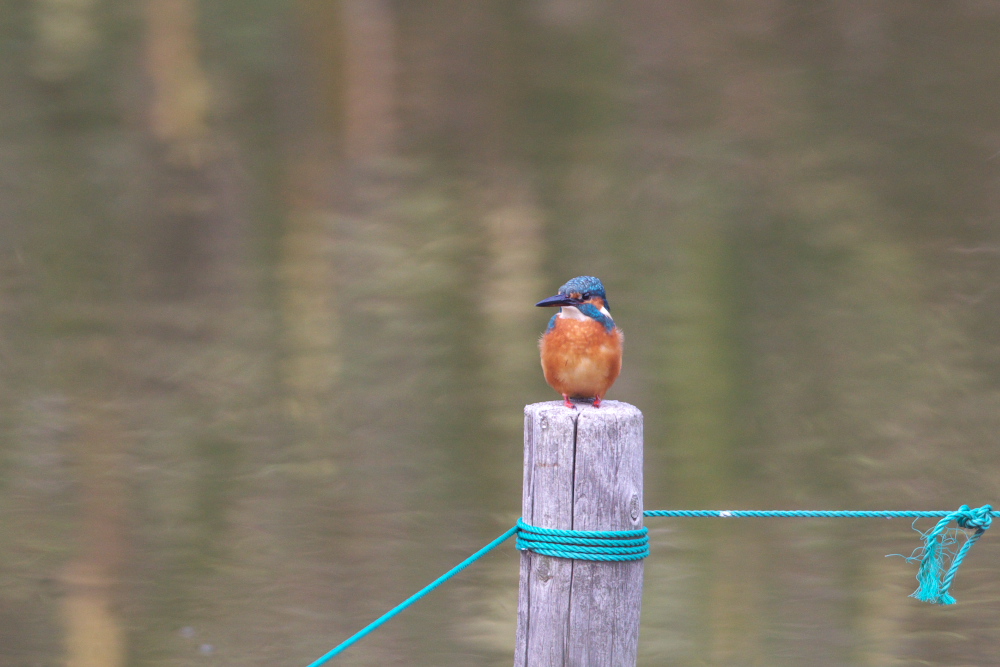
(934, 581)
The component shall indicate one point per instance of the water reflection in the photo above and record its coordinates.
(267, 275)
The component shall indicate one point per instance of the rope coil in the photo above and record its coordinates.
(596, 545)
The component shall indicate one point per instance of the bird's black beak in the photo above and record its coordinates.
(558, 300)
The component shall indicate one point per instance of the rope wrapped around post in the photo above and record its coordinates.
(597, 545)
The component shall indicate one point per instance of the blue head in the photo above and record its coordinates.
(585, 294)
(582, 289)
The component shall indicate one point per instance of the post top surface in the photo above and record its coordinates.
(611, 407)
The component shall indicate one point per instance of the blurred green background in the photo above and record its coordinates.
(267, 275)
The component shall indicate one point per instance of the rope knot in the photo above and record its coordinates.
(978, 519)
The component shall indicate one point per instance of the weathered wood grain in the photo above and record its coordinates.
(582, 471)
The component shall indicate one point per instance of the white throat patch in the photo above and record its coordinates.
(573, 313)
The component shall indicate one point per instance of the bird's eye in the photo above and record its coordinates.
(584, 296)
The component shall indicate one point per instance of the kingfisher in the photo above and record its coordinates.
(582, 347)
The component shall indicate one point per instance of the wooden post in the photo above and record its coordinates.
(582, 471)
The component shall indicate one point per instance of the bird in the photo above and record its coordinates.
(581, 349)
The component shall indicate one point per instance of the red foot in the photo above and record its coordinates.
(597, 401)
(567, 402)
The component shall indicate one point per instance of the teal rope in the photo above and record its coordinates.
(798, 514)
(933, 585)
(597, 545)
(627, 545)
(408, 602)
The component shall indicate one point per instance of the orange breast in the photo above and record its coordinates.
(581, 358)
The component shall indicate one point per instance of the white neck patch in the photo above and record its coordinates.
(573, 313)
